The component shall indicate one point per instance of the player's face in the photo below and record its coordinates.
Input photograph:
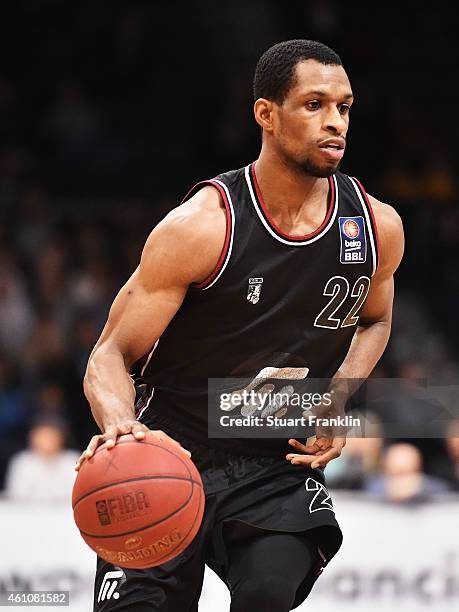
(310, 127)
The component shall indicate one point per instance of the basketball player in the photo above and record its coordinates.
(286, 263)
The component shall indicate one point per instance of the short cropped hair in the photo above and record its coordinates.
(275, 71)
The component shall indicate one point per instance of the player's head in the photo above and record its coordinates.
(302, 99)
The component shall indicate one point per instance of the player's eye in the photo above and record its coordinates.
(313, 105)
(344, 109)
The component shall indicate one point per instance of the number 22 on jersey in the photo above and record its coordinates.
(338, 288)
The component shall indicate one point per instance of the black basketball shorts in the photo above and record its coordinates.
(244, 496)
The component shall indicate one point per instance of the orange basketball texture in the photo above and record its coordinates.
(138, 504)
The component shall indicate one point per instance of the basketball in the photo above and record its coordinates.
(140, 503)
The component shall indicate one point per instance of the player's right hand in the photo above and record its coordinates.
(111, 434)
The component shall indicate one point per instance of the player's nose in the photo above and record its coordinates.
(335, 122)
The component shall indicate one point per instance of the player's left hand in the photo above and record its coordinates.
(329, 440)
(317, 454)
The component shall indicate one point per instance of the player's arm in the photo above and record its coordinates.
(370, 339)
(375, 320)
(183, 249)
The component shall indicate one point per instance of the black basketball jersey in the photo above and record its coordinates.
(273, 300)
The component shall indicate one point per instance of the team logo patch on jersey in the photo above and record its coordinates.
(353, 240)
(254, 290)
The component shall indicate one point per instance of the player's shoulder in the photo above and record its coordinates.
(199, 227)
(387, 219)
(389, 228)
(201, 217)
(388, 222)
(188, 242)
(232, 177)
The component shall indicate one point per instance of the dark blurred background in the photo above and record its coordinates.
(110, 111)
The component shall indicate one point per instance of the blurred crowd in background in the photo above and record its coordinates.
(108, 116)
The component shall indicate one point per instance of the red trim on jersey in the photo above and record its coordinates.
(224, 251)
(195, 189)
(370, 208)
(271, 220)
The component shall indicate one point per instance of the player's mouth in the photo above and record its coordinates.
(333, 147)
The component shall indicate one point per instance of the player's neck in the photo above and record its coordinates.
(285, 188)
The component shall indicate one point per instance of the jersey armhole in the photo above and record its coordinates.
(371, 222)
(227, 245)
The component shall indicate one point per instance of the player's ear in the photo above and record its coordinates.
(263, 111)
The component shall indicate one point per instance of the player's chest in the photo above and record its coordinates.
(325, 284)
